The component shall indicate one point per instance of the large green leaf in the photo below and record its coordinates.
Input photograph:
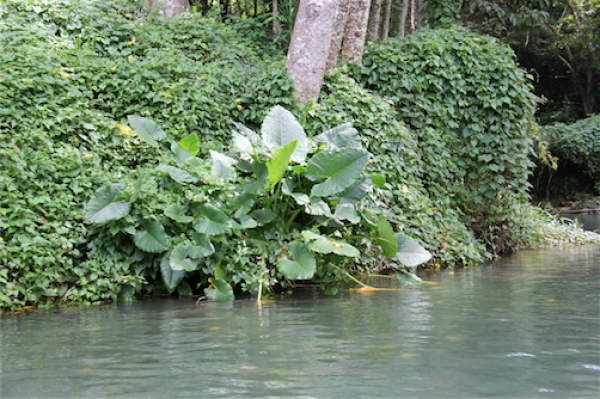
(177, 213)
(318, 207)
(179, 175)
(346, 211)
(152, 237)
(386, 238)
(146, 129)
(302, 266)
(190, 143)
(203, 246)
(326, 245)
(339, 137)
(279, 162)
(181, 259)
(220, 290)
(410, 253)
(263, 216)
(214, 222)
(170, 277)
(279, 128)
(338, 168)
(103, 206)
(247, 142)
(222, 166)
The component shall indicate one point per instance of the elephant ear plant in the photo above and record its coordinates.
(276, 208)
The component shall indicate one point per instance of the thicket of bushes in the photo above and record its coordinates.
(73, 71)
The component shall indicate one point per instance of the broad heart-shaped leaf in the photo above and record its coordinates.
(177, 213)
(378, 180)
(245, 136)
(260, 183)
(190, 143)
(179, 154)
(346, 211)
(281, 127)
(152, 237)
(356, 191)
(180, 259)
(338, 168)
(262, 216)
(170, 277)
(179, 175)
(279, 162)
(318, 207)
(302, 266)
(146, 129)
(103, 206)
(327, 245)
(203, 246)
(339, 137)
(214, 222)
(410, 253)
(386, 238)
(222, 166)
(220, 290)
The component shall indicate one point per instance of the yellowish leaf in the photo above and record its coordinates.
(130, 58)
(113, 69)
(63, 74)
(126, 130)
(131, 42)
(167, 94)
(404, 188)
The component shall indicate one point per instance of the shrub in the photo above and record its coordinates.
(472, 110)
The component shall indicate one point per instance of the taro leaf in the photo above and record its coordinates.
(152, 237)
(356, 191)
(256, 142)
(410, 253)
(386, 239)
(263, 216)
(180, 259)
(339, 137)
(327, 245)
(170, 277)
(179, 175)
(244, 203)
(288, 187)
(177, 213)
(203, 246)
(220, 273)
(146, 129)
(279, 128)
(222, 166)
(103, 206)
(246, 222)
(190, 143)
(318, 207)
(302, 266)
(301, 198)
(179, 154)
(378, 180)
(184, 289)
(219, 290)
(214, 222)
(261, 182)
(338, 168)
(346, 211)
(279, 162)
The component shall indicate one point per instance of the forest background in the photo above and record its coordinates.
(458, 182)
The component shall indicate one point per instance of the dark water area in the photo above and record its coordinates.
(527, 326)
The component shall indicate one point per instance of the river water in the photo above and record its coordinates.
(527, 326)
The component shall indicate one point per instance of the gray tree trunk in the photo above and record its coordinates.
(310, 46)
(170, 8)
(275, 11)
(375, 21)
(338, 34)
(356, 30)
(402, 18)
(387, 16)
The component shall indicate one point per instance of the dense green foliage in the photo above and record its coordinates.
(472, 109)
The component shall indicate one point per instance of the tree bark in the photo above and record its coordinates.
(310, 46)
(402, 18)
(387, 16)
(275, 11)
(338, 34)
(170, 8)
(375, 21)
(356, 30)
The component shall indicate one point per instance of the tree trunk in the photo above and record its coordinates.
(375, 21)
(402, 18)
(310, 46)
(170, 8)
(387, 16)
(275, 11)
(356, 30)
(338, 34)
(413, 25)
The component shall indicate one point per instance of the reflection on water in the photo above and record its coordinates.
(524, 327)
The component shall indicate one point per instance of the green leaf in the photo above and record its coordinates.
(338, 168)
(170, 277)
(247, 142)
(318, 207)
(386, 238)
(378, 180)
(184, 289)
(339, 137)
(203, 247)
(177, 213)
(180, 259)
(279, 128)
(222, 166)
(220, 273)
(190, 143)
(215, 222)
(346, 211)
(327, 245)
(279, 161)
(263, 216)
(246, 222)
(103, 206)
(179, 175)
(410, 253)
(146, 129)
(179, 154)
(219, 291)
(151, 238)
(302, 266)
